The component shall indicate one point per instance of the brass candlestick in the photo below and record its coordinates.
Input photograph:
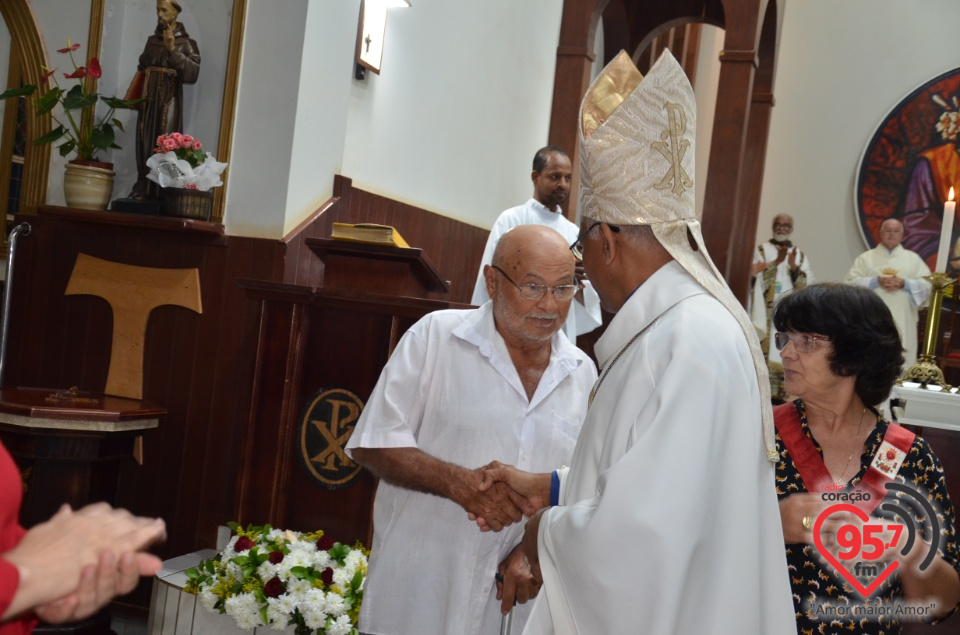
(925, 371)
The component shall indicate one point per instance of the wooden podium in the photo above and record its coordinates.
(395, 271)
(319, 354)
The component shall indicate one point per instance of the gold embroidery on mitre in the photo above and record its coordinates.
(618, 80)
(676, 179)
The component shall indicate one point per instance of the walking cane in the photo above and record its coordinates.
(506, 622)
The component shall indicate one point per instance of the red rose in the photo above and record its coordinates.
(327, 576)
(243, 544)
(891, 455)
(276, 557)
(273, 588)
(325, 543)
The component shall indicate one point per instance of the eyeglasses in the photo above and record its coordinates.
(782, 226)
(803, 342)
(534, 292)
(577, 248)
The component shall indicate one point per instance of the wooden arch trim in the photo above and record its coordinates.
(25, 38)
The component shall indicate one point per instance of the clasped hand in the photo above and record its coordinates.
(891, 283)
(493, 502)
(528, 492)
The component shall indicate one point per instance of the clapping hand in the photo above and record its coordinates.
(74, 563)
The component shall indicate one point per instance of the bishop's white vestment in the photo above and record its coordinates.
(451, 390)
(668, 520)
(583, 316)
(905, 303)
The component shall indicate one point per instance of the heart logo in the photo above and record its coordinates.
(865, 591)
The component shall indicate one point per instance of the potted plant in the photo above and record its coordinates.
(187, 175)
(88, 182)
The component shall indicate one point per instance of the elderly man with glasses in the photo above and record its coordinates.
(462, 389)
(779, 267)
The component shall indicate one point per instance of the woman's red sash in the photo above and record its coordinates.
(816, 477)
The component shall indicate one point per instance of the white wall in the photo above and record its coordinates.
(842, 67)
(461, 106)
(322, 109)
(266, 117)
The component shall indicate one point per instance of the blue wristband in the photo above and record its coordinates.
(554, 489)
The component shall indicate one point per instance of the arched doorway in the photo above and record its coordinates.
(27, 59)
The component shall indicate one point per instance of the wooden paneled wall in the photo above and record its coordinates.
(199, 367)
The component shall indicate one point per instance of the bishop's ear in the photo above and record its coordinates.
(610, 243)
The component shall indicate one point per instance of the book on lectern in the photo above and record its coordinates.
(368, 233)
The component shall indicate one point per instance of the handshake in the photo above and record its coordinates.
(497, 495)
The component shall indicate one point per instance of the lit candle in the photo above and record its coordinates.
(946, 233)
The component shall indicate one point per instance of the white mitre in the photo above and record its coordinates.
(637, 168)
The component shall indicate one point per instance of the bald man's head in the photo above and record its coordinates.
(891, 233)
(527, 259)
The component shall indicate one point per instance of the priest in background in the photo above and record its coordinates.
(896, 275)
(779, 267)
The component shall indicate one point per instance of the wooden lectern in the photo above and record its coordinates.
(319, 354)
(398, 271)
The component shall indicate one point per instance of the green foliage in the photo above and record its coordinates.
(83, 133)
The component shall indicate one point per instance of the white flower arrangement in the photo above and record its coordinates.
(179, 161)
(279, 578)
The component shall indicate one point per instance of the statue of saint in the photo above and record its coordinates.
(169, 60)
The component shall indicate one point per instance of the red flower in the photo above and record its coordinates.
(891, 455)
(273, 588)
(325, 543)
(69, 48)
(276, 557)
(80, 73)
(327, 576)
(47, 75)
(242, 544)
(94, 68)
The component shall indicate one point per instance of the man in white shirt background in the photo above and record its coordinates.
(551, 177)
